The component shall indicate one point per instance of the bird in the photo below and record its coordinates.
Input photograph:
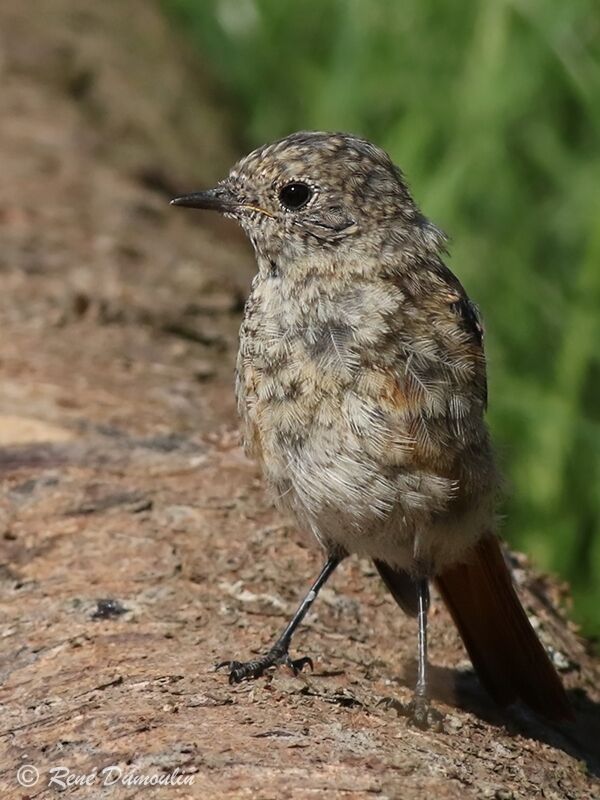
(361, 389)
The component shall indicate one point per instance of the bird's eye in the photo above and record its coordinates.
(295, 195)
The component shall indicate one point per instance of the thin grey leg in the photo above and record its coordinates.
(421, 713)
(423, 601)
(278, 653)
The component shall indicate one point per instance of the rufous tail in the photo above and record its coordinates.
(508, 656)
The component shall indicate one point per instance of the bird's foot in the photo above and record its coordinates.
(421, 714)
(419, 711)
(275, 657)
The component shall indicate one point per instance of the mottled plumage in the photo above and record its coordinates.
(361, 379)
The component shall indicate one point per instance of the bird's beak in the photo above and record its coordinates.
(221, 198)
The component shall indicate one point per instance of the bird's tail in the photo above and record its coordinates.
(508, 656)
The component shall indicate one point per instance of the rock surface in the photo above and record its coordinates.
(137, 548)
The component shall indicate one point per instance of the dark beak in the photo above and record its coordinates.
(218, 199)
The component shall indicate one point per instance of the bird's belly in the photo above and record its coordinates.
(324, 462)
(399, 515)
(335, 443)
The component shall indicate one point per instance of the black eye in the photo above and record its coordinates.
(295, 195)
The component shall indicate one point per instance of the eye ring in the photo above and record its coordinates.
(295, 195)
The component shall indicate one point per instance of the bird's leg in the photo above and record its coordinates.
(421, 713)
(278, 653)
(423, 595)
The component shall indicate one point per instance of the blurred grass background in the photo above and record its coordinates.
(492, 109)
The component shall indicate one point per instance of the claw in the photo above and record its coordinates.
(298, 664)
(393, 704)
(234, 668)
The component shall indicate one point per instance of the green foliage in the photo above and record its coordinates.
(492, 109)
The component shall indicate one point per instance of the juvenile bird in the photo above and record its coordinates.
(361, 386)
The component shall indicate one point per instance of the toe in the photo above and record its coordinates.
(423, 716)
(298, 664)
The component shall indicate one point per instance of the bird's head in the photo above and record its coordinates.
(313, 192)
